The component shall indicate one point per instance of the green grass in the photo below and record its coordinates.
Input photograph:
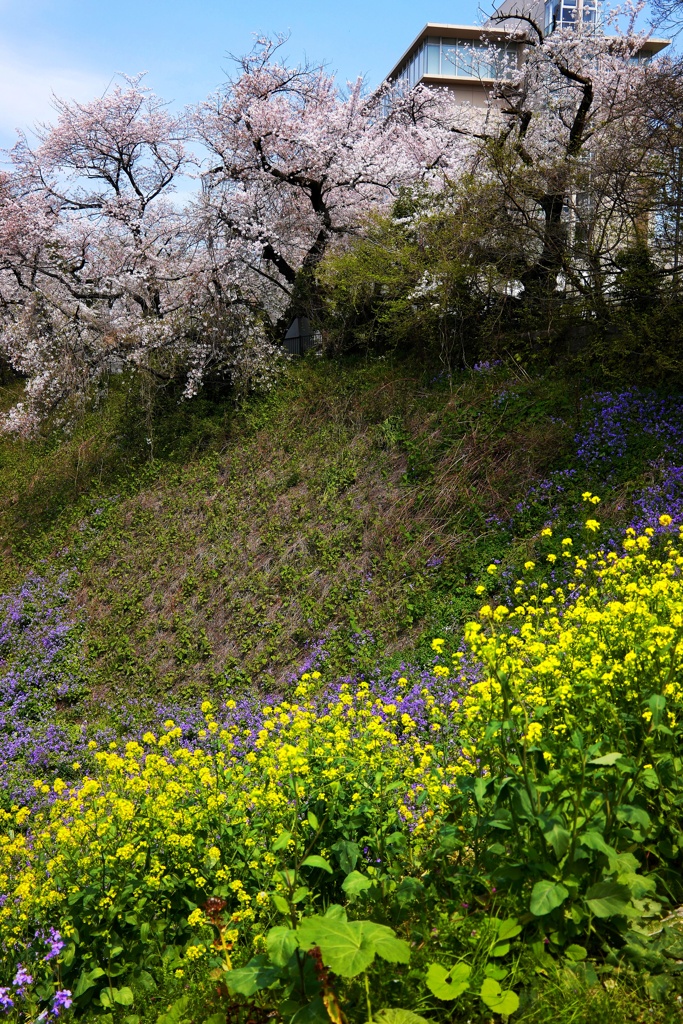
(311, 513)
(215, 544)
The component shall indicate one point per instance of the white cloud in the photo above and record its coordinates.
(26, 88)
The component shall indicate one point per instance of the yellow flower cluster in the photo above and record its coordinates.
(607, 641)
(158, 811)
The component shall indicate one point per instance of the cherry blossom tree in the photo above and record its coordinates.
(100, 269)
(296, 164)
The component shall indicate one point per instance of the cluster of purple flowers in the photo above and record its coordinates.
(39, 670)
(626, 434)
(625, 420)
(20, 989)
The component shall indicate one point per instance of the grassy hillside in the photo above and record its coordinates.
(352, 511)
(351, 506)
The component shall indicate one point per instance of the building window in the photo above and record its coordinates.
(458, 58)
(568, 14)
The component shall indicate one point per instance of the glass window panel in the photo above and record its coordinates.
(548, 17)
(448, 58)
(433, 61)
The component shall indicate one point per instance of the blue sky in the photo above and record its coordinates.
(73, 47)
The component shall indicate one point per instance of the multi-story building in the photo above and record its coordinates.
(467, 59)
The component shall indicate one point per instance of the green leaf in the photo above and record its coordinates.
(282, 841)
(335, 912)
(559, 838)
(106, 998)
(257, 975)
(634, 816)
(594, 841)
(657, 705)
(503, 1002)
(607, 759)
(547, 896)
(397, 1016)
(387, 945)
(176, 1012)
(347, 854)
(344, 946)
(313, 821)
(281, 904)
(281, 943)
(509, 928)
(313, 1013)
(409, 889)
(216, 1018)
(494, 971)
(659, 986)
(87, 980)
(445, 984)
(124, 996)
(480, 786)
(314, 861)
(576, 953)
(606, 899)
(300, 894)
(355, 883)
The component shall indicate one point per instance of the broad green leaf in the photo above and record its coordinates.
(344, 946)
(280, 902)
(87, 980)
(313, 821)
(282, 841)
(281, 943)
(314, 861)
(595, 841)
(445, 984)
(547, 896)
(347, 854)
(313, 1013)
(494, 971)
(123, 996)
(607, 759)
(335, 912)
(639, 886)
(355, 883)
(480, 787)
(176, 1012)
(634, 816)
(106, 998)
(559, 838)
(409, 889)
(396, 1016)
(257, 975)
(387, 945)
(659, 986)
(503, 1002)
(509, 928)
(300, 894)
(606, 899)
(576, 953)
(216, 1018)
